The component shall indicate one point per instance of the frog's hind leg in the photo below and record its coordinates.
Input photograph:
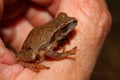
(57, 55)
(33, 66)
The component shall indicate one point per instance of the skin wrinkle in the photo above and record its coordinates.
(8, 74)
(4, 59)
(93, 9)
(20, 73)
(98, 18)
(89, 12)
(24, 73)
(13, 68)
(4, 72)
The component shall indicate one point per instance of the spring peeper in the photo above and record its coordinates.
(42, 41)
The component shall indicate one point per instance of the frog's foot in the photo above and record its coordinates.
(63, 54)
(34, 66)
(70, 52)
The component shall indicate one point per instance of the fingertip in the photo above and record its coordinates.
(37, 16)
(6, 56)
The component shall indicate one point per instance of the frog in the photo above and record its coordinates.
(42, 41)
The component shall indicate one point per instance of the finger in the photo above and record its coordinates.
(6, 56)
(54, 7)
(37, 16)
(8, 69)
(15, 32)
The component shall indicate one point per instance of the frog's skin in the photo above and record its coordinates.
(42, 40)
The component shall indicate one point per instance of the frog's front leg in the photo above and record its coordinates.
(57, 55)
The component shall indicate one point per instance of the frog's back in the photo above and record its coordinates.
(39, 36)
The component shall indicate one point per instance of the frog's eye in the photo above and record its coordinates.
(62, 15)
(68, 28)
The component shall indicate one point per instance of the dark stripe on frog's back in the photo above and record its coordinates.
(40, 35)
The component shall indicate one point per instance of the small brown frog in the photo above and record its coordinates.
(42, 41)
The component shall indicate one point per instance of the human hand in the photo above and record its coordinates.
(93, 25)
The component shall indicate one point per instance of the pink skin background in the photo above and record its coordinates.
(94, 22)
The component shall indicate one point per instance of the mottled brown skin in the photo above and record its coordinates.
(42, 40)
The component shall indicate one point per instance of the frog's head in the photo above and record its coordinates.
(66, 25)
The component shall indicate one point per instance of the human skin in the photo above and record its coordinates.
(94, 22)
